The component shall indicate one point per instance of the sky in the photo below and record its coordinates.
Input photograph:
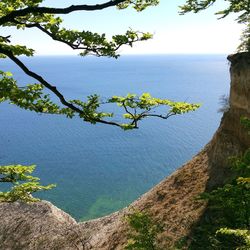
(200, 33)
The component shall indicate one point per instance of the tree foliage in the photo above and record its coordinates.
(241, 8)
(143, 231)
(227, 223)
(23, 184)
(24, 14)
(245, 39)
(232, 239)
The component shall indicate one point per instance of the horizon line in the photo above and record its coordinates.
(140, 54)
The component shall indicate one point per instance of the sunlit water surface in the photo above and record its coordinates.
(98, 168)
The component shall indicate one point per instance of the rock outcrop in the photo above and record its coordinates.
(43, 226)
(39, 225)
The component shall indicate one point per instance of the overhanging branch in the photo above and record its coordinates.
(52, 88)
(47, 10)
(95, 50)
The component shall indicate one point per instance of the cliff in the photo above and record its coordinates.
(43, 226)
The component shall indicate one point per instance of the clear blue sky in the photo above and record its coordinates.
(189, 34)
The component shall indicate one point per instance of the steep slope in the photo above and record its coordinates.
(42, 226)
(173, 200)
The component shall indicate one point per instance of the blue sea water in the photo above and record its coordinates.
(99, 169)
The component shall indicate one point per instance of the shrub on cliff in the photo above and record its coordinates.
(143, 231)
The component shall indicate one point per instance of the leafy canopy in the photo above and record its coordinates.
(24, 14)
(23, 184)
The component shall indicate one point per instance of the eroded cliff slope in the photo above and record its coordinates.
(43, 226)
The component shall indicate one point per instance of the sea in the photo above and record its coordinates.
(99, 169)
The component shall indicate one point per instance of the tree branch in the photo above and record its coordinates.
(160, 116)
(51, 88)
(51, 35)
(5, 39)
(78, 45)
(47, 10)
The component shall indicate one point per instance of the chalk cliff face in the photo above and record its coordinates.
(231, 138)
(43, 226)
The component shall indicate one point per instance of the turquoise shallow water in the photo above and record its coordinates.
(99, 169)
